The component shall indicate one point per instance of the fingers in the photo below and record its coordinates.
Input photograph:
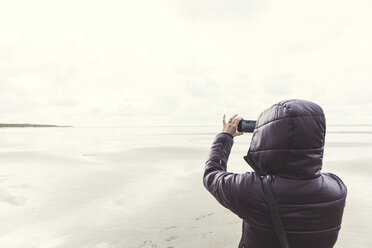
(233, 121)
(236, 122)
(232, 125)
(237, 134)
(232, 117)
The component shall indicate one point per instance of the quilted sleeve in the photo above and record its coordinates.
(224, 186)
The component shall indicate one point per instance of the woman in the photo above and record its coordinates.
(287, 145)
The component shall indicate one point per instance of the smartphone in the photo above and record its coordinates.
(246, 126)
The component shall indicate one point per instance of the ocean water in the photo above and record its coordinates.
(77, 140)
(80, 141)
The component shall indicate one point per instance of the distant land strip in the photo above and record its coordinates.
(28, 125)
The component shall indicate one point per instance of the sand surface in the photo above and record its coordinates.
(92, 189)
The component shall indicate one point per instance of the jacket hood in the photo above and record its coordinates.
(288, 140)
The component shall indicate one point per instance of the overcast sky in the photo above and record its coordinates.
(99, 63)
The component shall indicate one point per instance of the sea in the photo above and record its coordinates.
(80, 141)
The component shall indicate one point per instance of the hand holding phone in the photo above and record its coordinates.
(232, 126)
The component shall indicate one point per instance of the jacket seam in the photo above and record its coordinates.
(303, 204)
(315, 231)
(287, 117)
(286, 149)
(311, 203)
(290, 231)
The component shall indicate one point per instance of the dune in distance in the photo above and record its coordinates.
(28, 125)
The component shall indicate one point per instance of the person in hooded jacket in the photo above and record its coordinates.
(287, 145)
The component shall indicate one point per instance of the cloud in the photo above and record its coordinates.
(63, 102)
(279, 85)
(217, 9)
(180, 61)
(11, 199)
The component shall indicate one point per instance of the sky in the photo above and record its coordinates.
(172, 62)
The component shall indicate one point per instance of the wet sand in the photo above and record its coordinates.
(145, 197)
(193, 218)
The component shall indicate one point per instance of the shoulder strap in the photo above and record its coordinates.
(274, 213)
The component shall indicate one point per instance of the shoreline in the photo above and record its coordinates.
(11, 125)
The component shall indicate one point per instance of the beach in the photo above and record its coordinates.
(142, 187)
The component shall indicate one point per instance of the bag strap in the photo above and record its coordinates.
(274, 213)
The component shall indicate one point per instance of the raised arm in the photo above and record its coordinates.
(223, 185)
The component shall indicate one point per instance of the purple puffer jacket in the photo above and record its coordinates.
(287, 144)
